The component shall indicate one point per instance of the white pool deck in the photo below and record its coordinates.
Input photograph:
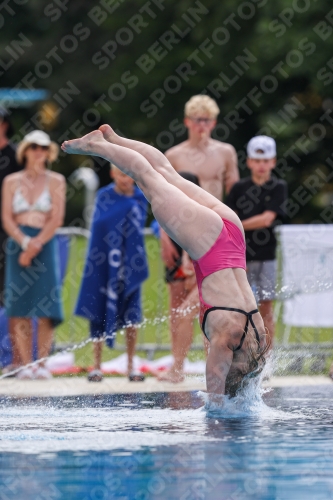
(79, 386)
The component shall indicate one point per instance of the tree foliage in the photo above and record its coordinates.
(134, 64)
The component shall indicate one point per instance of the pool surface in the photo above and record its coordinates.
(157, 446)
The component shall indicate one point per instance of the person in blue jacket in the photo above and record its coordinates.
(115, 268)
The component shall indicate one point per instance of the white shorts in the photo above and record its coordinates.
(262, 279)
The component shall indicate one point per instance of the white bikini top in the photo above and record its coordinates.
(42, 204)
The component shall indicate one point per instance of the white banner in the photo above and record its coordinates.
(307, 274)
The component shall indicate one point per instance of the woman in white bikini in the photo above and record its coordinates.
(212, 235)
(33, 207)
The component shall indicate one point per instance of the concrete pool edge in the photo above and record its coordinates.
(79, 386)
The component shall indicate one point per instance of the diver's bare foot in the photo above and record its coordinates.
(172, 375)
(108, 133)
(84, 145)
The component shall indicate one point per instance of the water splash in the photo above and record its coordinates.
(247, 402)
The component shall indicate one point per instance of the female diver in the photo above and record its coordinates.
(212, 235)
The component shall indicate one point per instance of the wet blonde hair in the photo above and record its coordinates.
(202, 104)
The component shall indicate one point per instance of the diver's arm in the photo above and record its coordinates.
(219, 361)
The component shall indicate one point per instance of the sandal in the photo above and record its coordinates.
(43, 373)
(25, 374)
(95, 376)
(9, 369)
(136, 377)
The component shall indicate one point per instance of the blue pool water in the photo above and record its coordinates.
(158, 446)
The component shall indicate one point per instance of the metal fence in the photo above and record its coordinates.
(296, 348)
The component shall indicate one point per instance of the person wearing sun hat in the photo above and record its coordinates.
(33, 207)
(258, 201)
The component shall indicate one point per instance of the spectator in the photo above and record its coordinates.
(33, 206)
(258, 201)
(214, 164)
(184, 301)
(8, 165)
(116, 266)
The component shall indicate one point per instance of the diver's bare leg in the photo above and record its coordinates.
(161, 164)
(193, 226)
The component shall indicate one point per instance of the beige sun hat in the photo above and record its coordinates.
(42, 139)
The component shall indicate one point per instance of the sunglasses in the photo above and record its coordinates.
(36, 146)
(203, 120)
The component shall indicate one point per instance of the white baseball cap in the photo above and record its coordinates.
(261, 147)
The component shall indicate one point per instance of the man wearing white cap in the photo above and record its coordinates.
(258, 201)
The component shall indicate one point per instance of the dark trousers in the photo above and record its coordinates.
(3, 238)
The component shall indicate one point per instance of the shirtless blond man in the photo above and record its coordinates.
(214, 163)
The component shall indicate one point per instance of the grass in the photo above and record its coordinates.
(155, 311)
(155, 307)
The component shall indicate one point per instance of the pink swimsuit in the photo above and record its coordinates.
(227, 252)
